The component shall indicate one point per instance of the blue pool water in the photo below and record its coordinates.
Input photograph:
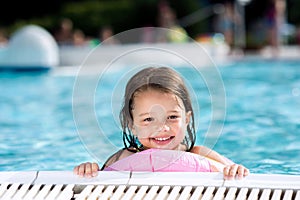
(261, 127)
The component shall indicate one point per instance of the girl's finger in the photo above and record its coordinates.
(88, 169)
(95, 169)
(75, 170)
(226, 172)
(81, 169)
(241, 171)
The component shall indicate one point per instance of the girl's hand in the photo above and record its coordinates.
(86, 169)
(235, 171)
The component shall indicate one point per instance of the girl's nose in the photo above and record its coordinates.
(165, 128)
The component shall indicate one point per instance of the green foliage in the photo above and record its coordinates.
(91, 15)
(46, 22)
(186, 7)
(293, 12)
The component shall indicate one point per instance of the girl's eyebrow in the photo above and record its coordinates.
(174, 111)
(143, 114)
(149, 113)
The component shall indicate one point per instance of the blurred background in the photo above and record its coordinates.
(88, 22)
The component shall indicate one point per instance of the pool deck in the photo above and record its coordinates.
(118, 185)
(281, 181)
(76, 56)
(74, 59)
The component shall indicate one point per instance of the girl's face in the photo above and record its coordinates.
(159, 119)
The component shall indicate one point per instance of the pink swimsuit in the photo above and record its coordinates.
(159, 160)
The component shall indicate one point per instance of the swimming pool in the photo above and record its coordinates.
(261, 128)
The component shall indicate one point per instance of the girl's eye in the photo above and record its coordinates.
(148, 119)
(173, 117)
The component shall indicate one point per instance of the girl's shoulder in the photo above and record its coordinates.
(198, 149)
(122, 153)
(125, 153)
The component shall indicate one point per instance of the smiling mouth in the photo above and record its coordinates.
(162, 139)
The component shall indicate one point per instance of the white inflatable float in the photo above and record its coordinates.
(31, 47)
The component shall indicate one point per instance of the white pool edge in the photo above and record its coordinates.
(272, 181)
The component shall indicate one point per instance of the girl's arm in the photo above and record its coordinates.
(220, 163)
(209, 153)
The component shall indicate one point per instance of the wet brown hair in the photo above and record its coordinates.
(163, 79)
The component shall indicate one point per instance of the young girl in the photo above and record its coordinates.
(157, 113)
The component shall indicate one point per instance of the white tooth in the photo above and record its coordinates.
(161, 139)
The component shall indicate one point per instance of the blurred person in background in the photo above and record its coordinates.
(3, 37)
(272, 28)
(79, 38)
(275, 16)
(106, 35)
(167, 19)
(226, 24)
(64, 34)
